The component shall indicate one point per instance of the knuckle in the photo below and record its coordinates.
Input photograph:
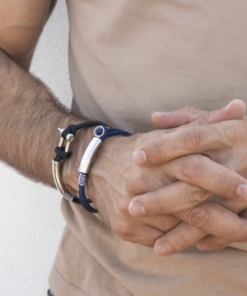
(190, 193)
(198, 217)
(191, 166)
(195, 194)
(192, 138)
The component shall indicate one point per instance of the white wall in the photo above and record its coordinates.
(30, 218)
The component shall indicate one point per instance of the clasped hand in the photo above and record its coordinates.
(185, 185)
(215, 159)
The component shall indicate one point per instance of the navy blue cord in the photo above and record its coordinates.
(62, 155)
(82, 194)
(109, 132)
(72, 129)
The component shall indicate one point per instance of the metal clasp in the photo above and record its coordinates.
(56, 165)
(67, 142)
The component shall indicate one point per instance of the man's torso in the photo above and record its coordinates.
(127, 59)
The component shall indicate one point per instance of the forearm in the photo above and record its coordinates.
(21, 26)
(28, 122)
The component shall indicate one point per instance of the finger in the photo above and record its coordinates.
(206, 175)
(137, 232)
(235, 207)
(164, 120)
(234, 110)
(209, 175)
(169, 199)
(147, 230)
(190, 140)
(178, 239)
(200, 220)
(161, 222)
(184, 141)
(145, 235)
(211, 242)
(212, 218)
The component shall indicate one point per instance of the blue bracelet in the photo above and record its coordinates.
(100, 134)
(62, 153)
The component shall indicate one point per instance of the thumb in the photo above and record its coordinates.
(234, 110)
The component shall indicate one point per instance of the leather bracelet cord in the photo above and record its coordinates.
(100, 134)
(62, 153)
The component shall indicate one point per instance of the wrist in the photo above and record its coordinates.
(107, 165)
(70, 171)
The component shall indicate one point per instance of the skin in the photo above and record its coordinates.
(128, 180)
(21, 26)
(224, 143)
(114, 179)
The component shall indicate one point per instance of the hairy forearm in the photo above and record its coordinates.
(28, 123)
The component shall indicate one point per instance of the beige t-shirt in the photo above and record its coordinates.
(129, 58)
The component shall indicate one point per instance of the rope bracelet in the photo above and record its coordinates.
(101, 132)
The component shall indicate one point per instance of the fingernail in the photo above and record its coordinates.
(202, 246)
(140, 157)
(162, 113)
(163, 249)
(242, 191)
(136, 209)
